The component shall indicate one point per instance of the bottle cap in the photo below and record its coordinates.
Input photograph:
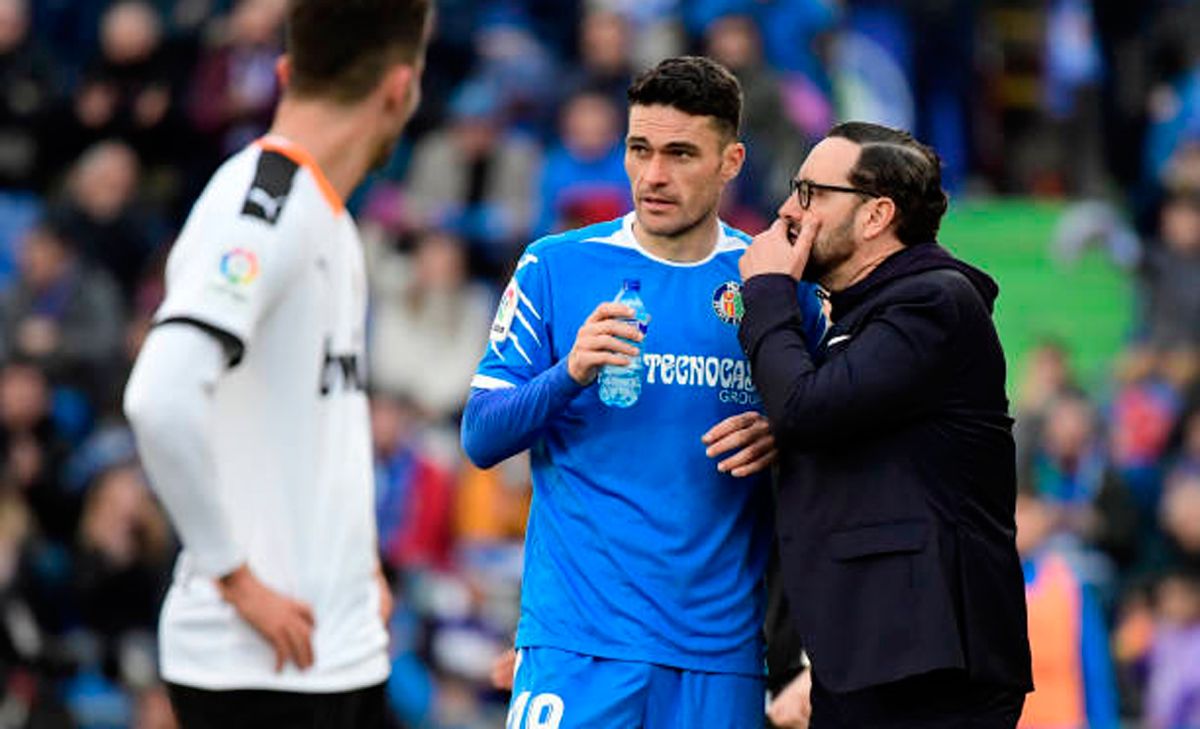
(632, 284)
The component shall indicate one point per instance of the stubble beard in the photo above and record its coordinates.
(678, 230)
(828, 252)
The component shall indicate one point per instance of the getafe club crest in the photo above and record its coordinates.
(727, 302)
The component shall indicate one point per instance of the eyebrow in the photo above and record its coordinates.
(676, 146)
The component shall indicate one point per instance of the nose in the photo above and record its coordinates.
(655, 172)
(790, 209)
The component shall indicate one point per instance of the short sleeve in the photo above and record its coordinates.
(519, 346)
(231, 262)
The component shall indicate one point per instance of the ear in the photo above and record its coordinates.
(398, 85)
(880, 215)
(283, 70)
(732, 159)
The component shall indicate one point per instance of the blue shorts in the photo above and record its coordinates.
(556, 689)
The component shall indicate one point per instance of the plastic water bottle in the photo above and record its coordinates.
(621, 386)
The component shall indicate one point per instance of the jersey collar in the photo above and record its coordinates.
(623, 237)
(299, 155)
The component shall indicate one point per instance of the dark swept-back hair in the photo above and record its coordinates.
(340, 49)
(694, 85)
(892, 163)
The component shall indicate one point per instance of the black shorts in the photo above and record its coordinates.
(254, 709)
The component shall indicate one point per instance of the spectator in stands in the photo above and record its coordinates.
(102, 215)
(512, 58)
(32, 452)
(584, 180)
(1180, 515)
(1071, 470)
(605, 62)
(773, 145)
(1170, 270)
(414, 493)
(475, 177)
(29, 86)
(125, 550)
(126, 89)
(1187, 458)
(234, 88)
(1151, 391)
(1173, 670)
(29, 691)
(62, 314)
(426, 313)
(1072, 666)
(1048, 376)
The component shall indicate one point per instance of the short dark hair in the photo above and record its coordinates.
(341, 48)
(694, 85)
(894, 164)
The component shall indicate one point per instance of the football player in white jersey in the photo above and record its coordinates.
(248, 403)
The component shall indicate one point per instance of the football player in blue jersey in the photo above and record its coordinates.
(642, 600)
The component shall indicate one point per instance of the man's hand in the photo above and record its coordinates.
(387, 603)
(772, 251)
(749, 434)
(285, 623)
(598, 342)
(792, 708)
(502, 670)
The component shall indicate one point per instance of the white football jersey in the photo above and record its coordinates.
(270, 261)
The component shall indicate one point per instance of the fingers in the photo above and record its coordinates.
(808, 234)
(748, 436)
(758, 465)
(291, 637)
(502, 670)
(609, 310)
(292, 644)
(584, 366)
(779, 229)
(736, 432)
(595, 360)
(604, 339)
(386, 606)
(612, 327)
(606, 343)
(728, 426)
(788, 713)
(759, 448)
(302, 650)
(306, 614)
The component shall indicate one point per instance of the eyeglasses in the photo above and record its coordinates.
(803, 190)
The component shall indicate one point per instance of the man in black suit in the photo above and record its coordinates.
(898, 482)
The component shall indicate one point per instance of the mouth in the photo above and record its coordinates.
(793, 232)
(655, 202)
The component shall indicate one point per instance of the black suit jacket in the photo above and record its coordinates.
(897, 466)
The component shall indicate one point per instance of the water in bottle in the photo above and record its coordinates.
(621, 386)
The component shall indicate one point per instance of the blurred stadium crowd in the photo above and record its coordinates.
(114, 114)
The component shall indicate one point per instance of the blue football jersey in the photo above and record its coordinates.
(637, 548)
